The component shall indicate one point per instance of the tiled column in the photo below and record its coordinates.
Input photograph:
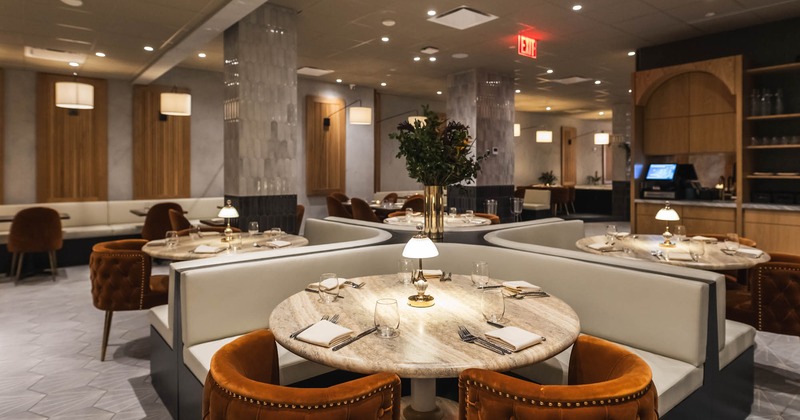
(261, 117)
(484, 100)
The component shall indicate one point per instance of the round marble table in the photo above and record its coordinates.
(186, 246)
(428, 346)
(457, 222)
(642, 247)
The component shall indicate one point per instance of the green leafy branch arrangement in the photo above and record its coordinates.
(437, 151)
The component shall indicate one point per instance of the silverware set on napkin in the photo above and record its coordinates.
(468, 337)
(334, 319)
(354, 338)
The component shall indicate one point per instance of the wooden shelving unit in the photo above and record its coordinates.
(775, 146)
(773, 176)
(774, 69)
(773, 117)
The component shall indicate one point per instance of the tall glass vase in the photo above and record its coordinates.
(434, 212)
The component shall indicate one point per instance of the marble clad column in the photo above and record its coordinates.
(484, 100)
(260, 126)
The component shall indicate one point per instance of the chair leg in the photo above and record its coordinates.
(53, 265)
(106, 328)
(19, 267)
(13, 270)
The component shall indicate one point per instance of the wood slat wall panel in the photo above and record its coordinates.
(2, 133)
(71, 148)
(325, 147)
(161, 147)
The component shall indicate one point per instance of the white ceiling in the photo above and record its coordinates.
(344, 36)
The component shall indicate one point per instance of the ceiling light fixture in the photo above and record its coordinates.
(438, 92)
(597, 82)
(710, 14)
(517, 91)
(73, 3)
(148, 48)
(385, 39)
(432, 59)
(388, 22)
(417, 59)
(73, 64)
(338, 80)
(383, 84)
(429, 50)
(549, 71)
(577, 7)
(601, 113)
(631, 53)
(460, 55)
(547, 108)
(100, 54)
(431, 12)
(202, 55)
(630, 90)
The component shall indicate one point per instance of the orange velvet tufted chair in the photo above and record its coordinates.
(35, 229)
(243, 384)
(157, 222)
(606, 381)
(121, 280)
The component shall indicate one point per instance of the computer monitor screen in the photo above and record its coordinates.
(661, 171)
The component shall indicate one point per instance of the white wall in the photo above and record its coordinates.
(531, 158)
(19, 163)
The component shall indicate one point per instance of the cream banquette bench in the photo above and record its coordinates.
(729, 373)
(165, 320)
(662, 317)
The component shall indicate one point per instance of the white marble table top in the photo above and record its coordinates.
(642, 247)
(428, 345)
(456, 222)
(186, 246)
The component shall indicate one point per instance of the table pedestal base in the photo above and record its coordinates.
(423, 403)
(445, 410)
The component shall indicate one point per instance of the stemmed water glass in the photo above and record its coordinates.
(468, 215)
(516, 207)
(611, 234)
(252, 228)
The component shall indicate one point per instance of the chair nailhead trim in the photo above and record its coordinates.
(616, 400)
(390, 388)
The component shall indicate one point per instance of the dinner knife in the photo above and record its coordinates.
(492, 286)
(352, 339)
(317, 291)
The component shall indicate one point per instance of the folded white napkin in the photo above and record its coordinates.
(516, 338)
(323, 333)
(478, 222)
(205, 249)
(621, 235)
(705, 239)
(679, 256)
(520, 286)
(209, 233)
(750, 252)
(328, 283)
(601, 247)
(279, 244)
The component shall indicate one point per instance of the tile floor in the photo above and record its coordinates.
(50, 357)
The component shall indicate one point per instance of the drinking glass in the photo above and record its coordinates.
(405, 268)
(516, 207)
(731, 243)
(236, 241)
(252, 228)
(275, 232)
(697, 249)
(480, 273)
(468, 215)
(493, 306)
(194, 233)
(409, 213)
(453, 212)
(328, 287)
(680, 233)
(491, 206)
(171, 239)
(611, 234)
(387, 318)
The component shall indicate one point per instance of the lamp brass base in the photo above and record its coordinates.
(424, 301)
(666, 245)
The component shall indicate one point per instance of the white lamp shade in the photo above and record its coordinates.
(414, 118)
(228, 212)
(360, 115)
(517, 130)
(667, 214)
(74, 95)
(544, 136)
(177, 104)
(601, 138)
(420, 247)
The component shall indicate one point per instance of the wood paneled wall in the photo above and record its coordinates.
(325, 146)
(71, 147)
(161, 147)
(2, 132)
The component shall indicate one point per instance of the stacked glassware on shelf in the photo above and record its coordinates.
(765, 102)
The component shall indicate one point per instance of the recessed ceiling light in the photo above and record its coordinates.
(631, 53)
(73, 64)
(388, 22)
(73, 3)
(429, 50)
(385, 38)
(417, 58)
(460, 56)
(517, 91)
(601, 113)
(100, 54)
(438, 92)
(431, 12)
(709, 14)
(338, 80)
(148, 48)
(547, 108)
(630, 90)
(597, 82)
(577, 7)
(202, 55)
(432, 59)
(549, 71)
(383, 83)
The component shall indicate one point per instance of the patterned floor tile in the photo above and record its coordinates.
(64, 381)
(12, 384)
(26, 415)
(19, 402)
(60, 364)
(89, 413)
(62, 402)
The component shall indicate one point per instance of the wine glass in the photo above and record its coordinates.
(387, 318)
(453, 212)
(731, 243)
(469, 215)
(516, 207)
(252, 228)
(171, 239)
(611, 234)
(409, 213)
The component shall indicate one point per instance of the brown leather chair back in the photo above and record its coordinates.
(301, 211)
(416, 203)
(362, 211)
(775, 294)
(493, 217)
(243, 384)
(120, 276)
(391, 197)
(343, 198)
(157, 222)
(335, 208)
(178, 221)
(605, 380)
(35, 229)
(519, 192)
(721, 237)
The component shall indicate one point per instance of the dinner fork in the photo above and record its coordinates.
(296, 333)
(468, 337)
(354, 285)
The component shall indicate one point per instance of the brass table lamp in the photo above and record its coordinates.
(228, 212)
(667, 214)
(420, 246)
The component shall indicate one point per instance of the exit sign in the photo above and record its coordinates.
(526, 47)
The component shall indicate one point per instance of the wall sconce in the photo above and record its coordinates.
(517, 130)
(544, 136)
(176, 104)
(74, 95)
(414, 118)
(601, 138)
(359, 115)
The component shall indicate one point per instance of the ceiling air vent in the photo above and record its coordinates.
(570, 80)
(462, 18)
(54, 55)
(313, 71)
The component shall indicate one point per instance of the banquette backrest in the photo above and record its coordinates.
(562, 234)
